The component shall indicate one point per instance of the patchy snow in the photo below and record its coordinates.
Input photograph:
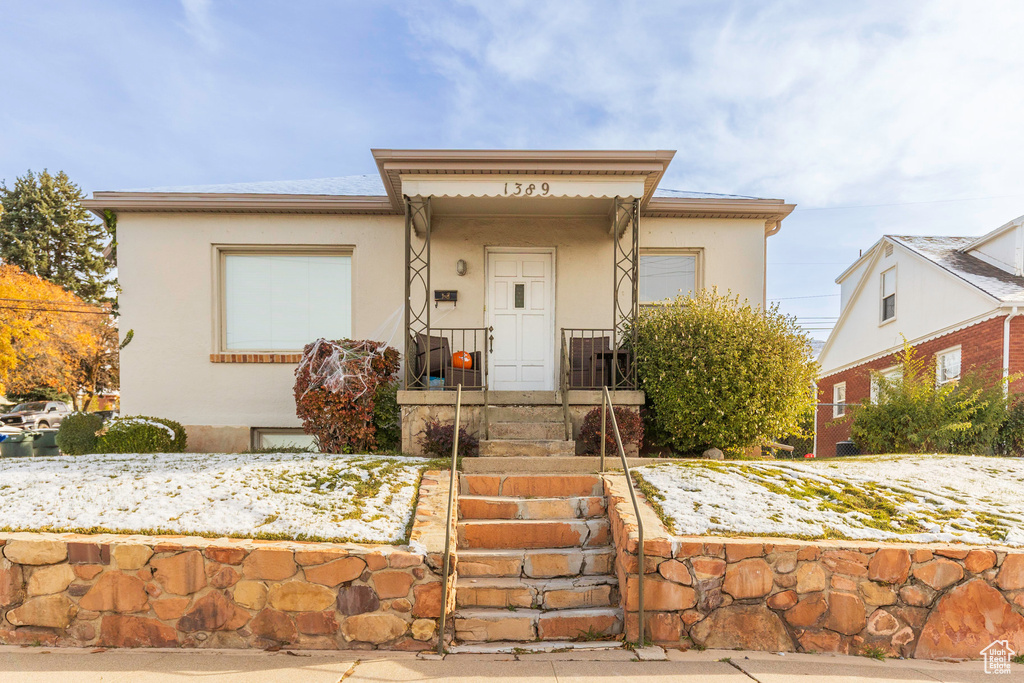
(920, 498)
(305, 496)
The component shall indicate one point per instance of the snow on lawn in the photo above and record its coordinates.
(304, 496)
(922, 498)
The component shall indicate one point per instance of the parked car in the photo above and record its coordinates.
(36, 415)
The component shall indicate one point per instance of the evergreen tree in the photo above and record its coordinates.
(46, 232)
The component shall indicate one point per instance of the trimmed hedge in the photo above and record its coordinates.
(77, 433)
(141, 434)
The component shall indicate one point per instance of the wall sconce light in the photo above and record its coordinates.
(460, 266)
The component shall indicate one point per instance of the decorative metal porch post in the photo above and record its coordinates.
(417, 279)
(626, 253)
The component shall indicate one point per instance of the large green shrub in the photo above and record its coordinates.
(911, 414)
(77, 433)
(718, 372)
(139, 434)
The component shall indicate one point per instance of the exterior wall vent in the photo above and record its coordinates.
(888, 250)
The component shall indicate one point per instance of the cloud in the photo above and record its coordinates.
(829, 103)
(199, 23)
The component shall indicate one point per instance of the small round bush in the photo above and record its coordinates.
(77, 433)
(631, 429)
(140, 434)
(436, 440)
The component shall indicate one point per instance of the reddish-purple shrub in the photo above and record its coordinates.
(335, 386)
(436, 439)
(631, 429)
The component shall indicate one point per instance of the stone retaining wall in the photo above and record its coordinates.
(138, 591)
(910, 600)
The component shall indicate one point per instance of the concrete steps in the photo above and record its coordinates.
(535, 560)
(502, 507)
(534, 533)
(540, 563)
(523, 448)
(483, 625)
(544, 594)
(527, 431)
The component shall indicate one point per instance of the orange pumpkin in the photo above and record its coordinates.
(462, 359)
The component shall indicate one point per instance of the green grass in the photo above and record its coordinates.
(873, 652)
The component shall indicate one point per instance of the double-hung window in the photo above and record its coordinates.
(947, 365)
(839, 399)
(889, 294)
(664, 275)
(280, 299)
(887, 375)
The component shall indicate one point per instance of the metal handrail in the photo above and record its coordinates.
(565, 390)
(448, 520)
(606, 403)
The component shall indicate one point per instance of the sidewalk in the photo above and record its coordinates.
(32, 665)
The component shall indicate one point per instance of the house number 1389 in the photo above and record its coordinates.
(527, 189)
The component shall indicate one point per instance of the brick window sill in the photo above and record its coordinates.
(255, 357)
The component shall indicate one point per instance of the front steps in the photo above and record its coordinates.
(527, 431)
(535, 560)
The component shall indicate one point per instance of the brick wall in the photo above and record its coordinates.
(981, 351)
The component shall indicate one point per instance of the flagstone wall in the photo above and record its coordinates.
(138, 591)
(904, 600)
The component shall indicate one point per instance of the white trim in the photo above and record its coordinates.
(989, 236)
(882, 320)
(838, 406)
(995, 313)
(939, 354)
(489, 307)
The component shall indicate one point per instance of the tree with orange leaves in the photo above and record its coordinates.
(46, 333)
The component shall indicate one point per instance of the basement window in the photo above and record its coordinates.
(888, 295)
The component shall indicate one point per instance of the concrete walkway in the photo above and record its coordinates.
(29, 665)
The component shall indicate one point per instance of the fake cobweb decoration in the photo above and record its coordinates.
(338, 369)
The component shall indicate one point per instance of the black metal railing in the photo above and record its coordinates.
(453, 476)
(608, 412)
(443, 358)
(597, 358)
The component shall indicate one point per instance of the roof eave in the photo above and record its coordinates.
(234, 202)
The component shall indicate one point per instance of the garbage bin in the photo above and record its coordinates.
(846, 448)
(45, 443)
(17, 445)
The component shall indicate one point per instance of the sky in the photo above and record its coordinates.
(895, 117)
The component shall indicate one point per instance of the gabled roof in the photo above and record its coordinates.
(949, 253)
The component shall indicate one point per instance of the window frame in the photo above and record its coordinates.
(881, 374)
(938, 364)
(220, 254)
(882, 320)
(698, 268)
(838, 407)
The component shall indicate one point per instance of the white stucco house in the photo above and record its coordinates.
(958, 300)
(534, 263)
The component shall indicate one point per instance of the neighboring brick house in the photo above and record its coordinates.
(959, 300)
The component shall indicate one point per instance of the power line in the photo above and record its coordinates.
(813, 296)
(932, 201)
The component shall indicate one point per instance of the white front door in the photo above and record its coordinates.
(521, 308)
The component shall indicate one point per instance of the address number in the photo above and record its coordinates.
(527, 189)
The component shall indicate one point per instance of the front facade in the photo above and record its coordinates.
(957, 300)
(502, 257)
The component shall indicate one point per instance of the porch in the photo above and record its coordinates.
(527, 301)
